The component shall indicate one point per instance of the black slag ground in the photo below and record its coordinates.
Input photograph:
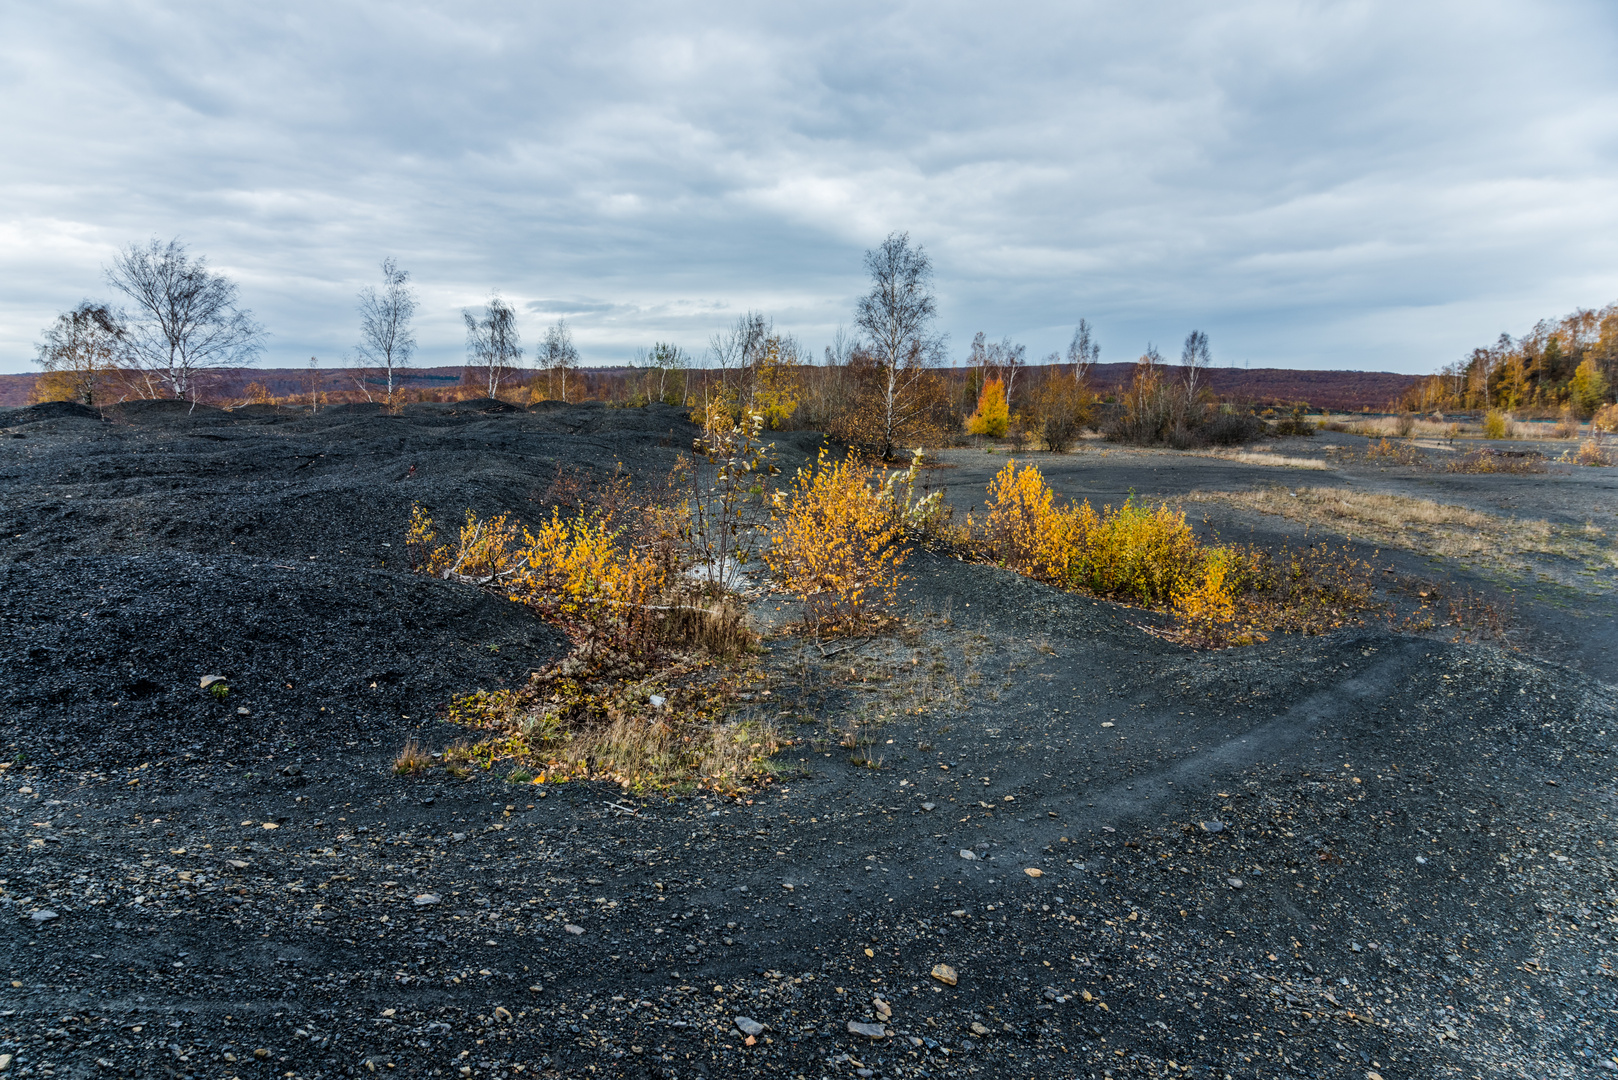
(1315, 857)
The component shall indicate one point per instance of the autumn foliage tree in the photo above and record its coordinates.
(81, 354)
(992, 414)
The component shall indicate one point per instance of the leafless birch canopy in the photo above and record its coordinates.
(184, 320)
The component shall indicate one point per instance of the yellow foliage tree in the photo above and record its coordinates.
(993, 413)
(776, 385)
(1588, 388)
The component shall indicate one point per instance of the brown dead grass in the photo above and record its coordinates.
(1424, 525)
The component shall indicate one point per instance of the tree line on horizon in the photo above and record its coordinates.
(1567, 364)
(880, 384)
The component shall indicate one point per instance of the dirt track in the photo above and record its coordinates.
(1315, 857)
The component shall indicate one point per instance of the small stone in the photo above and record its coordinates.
(748, 1026)
(968, 854)
(929, 806)
(5, 1062)
(1234, 882)
(787, 887)
(944, 974)
(261, 1053)
(428, 899)
(959, 913)
(502, 1013)
(1421, 860)
(870, 1031)
(271, 825)
(884, 1011)
(1213, 826)
(208, 680)
(1354, 946)
(242, 711)
(1106, 723)
(688, 948)
(1034, 871)
(575, 929)
(236, 864)
(1373, 1076)
(658, 701)
(42, 916)
(978, 1029)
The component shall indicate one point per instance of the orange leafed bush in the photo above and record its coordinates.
(834, 544)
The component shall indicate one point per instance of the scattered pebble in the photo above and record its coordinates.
(748, 1026)
(968, 854)
(870, 1031)
(1034, 871)
(573, 928)
(944, 974)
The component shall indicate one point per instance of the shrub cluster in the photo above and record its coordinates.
(1151, 558)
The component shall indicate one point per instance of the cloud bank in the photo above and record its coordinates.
(1357, 184)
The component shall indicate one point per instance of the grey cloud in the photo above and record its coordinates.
(1371, 184)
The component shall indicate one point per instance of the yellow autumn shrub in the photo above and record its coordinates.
(575, 571)
(1134, 554)
(834, 544)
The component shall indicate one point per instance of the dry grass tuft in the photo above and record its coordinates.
(1592, 453)
(411, 760)
(1486, 461)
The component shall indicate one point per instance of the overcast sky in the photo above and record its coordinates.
(1375, 185)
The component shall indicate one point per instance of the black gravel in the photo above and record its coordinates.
(1317, 857)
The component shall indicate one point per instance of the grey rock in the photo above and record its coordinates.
(1234, 882)
(870, 1031)
(1213, 826)
(42, 916)
(748, 1026)
(929, 806)
(968, 854)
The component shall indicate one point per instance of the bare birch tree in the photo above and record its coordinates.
(1195, 359)
(559, 358)
(1082, 352)
(493, 342)
(186, 316)
(386, 343)
(896, 317)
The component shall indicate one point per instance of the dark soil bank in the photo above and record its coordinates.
(1324, 857)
